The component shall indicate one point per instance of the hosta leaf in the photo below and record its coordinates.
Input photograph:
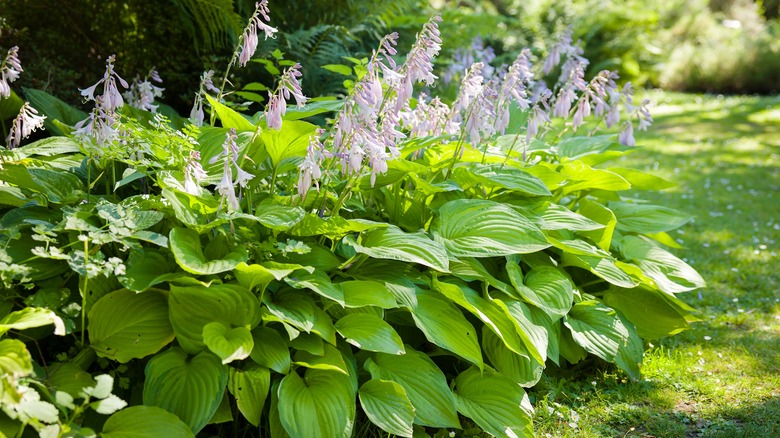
(424, 384)
(186, 247)
(144, 421)
(279, 217)
(125, 325)
(289, 142)
(57, 186)
(597, 329)
(602, 215)
(15, 360)
(318, 282)
(444, 325)
(670, 274)
(30, 317)
(642, 181)
(553, 291)
(360, 293)
(583, 177)
(603, 267)
(654, 313)
(229, 117)
(497, 175)
(371, 333)
(497, 404)
(145, 268)
(70, 378)
(386, 405)
(535, 335)
(629, 357)
(190, 387)
(229, 344)
(647, 219)
(558, 217)
(393, 244)
(481, 228)
(192, 307)
(250, 389)
(577, 147)
(258, 276)
(270, 350)
(520, 368)
(330, 360)
(319, 405)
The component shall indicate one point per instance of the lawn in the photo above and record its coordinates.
(722, 377)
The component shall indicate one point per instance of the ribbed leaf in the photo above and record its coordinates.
(670, 274)
(424, 384)
(371, 333)
(359, 293)
(125, 325)
(30, 317)
(186, 247)
(319, 405)
(497, 175)
(318, 282)
(654, 313)
(444, 325)
(558, 217)
(520, 368)
(386, 405)
(330, 360)
(229, 117)
(279, 217)
(647, 219)
(191, 388)
(270, 350)
(258, 276)
(192, 307)
(583, 177)
(481, 228)
(289, 142)
(229, 344)
(15, 360)
(603, 267)
(597, 329)
(393, 244)
(497, 404)
(300, 311)
(250, 389)
(144, 421)
(553, 291)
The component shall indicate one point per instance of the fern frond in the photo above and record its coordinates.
(213, 24)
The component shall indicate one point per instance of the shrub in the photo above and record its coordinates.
(406, 265)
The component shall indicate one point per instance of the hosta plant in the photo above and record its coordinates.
(409, 264)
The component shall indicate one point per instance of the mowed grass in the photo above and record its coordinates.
(722, 377)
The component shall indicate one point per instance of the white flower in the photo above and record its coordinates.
(250, 40)
(23, 125)
(10, 70)
(627, 134)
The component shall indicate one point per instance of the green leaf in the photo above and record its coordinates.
(30, 317)
(313, 109)
(54, 109)
(331, 360)
(629, 357)
(424, 384)
(186, 248)
(642, 181)
(192, 307)
(144, 421)
(279, 217)
(15, 360)
(393, 244)
(289, 142)
(259, 276)
(57, 186)
(51, 146)
(553, 291)
(583, 177)
(602, 215)
(603, 267)
(250, 389)
(323, 398)
(647, 219)
(497, 404)
(145, 268)
(655, 314)
(230, 118)
(318, 282)
(558, 217)
(191, 388)
(339, 68)
(125, 325)
(229, 344)
(385, 403)
(481, 228)
(361, 293)
(578, 147)
(444, 325)
(497, 175)
(371, 333)
(69, 378)
(271, 350)
(671, 275)
(597, 329)
(521, 368)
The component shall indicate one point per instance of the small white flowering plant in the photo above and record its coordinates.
(403, 265)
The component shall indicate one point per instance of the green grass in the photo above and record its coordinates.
(722, 377)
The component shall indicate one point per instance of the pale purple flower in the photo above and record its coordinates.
(470, 88)
(277, 101)
(197, 115)
(463, 58)
(564, 102)
(537, 118)
(309, 170)
(643, 114)
(10, 70)
(23, 125)
(193, 174)
(259, 20)
(277, 107)
(142, 93)
(559, 48)
(627, 134)
(583, 111)
(481, 114)
(418, 66)
(112, 99)
(227, 186)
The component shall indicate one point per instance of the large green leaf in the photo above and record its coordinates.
(647, 219)
(655, 314)
(15, 360)
(287, 143)
(371, 333)
(578, 147)
(603, 267)
(553, 291)
(629, 357)
(318, 282)
(393, 244)
(30, 317)
(597, 329)
(331, 359)
(602, 215)
(51, 146)
(521, 368)
(146, 268)
(481, 228)
(144, 421)
(642, 181)
(190, 387)
(125, 325)
(271, 351)
(360, 293)
(497, 404)
(186, 247)
(424, 384)
(558, 217)
(250, 389)
(230, 118)
(670, 274)
(57, 186)
(583, 177)
(298, 310)
(228, 343)
(192, 307)
(319, 405)
(499, 176)
(444, 325)
(386, 405)
(278, 217)
(312, 109)
(258, 276)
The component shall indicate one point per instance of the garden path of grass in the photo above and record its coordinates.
(722, 377)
